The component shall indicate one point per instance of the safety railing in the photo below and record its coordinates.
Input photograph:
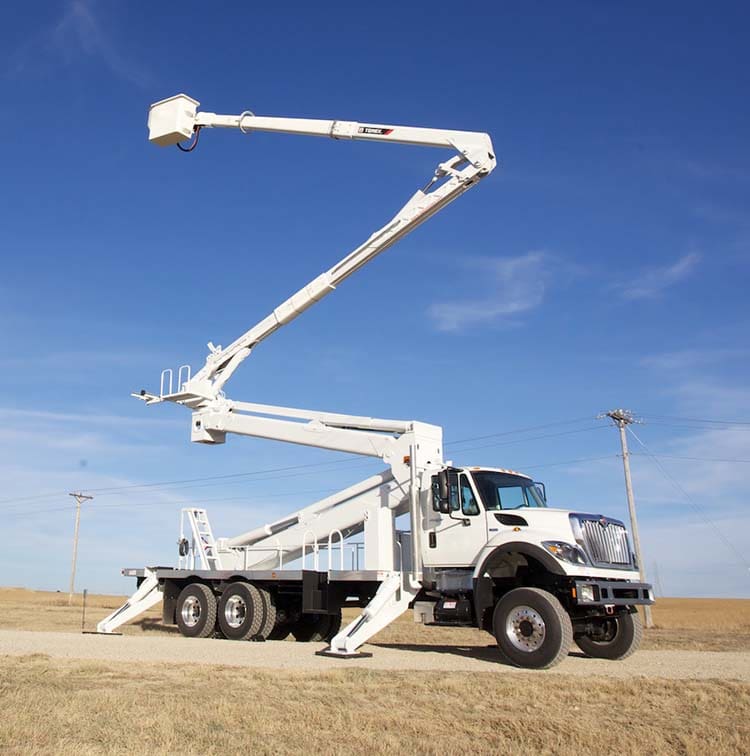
(315, 550)
(331, 544)
(166, 382)
(278, 548)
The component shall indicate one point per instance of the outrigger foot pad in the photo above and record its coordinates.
(96, 632)
(337, 655)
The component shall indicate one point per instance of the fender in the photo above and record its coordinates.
(483, 598)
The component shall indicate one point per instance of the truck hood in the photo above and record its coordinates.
(534, 526)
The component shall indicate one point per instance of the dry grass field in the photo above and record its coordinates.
(85, 708)
(71, 706)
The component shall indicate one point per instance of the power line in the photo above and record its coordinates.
(569, 462)
(209, 480)
(740, 558)
(701, 420)
(693, 459)
(29, 513)
(531, 438)
(169, 484)
(518, 430)
(698, 427)
(187, 502)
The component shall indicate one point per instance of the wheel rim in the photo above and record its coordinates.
(235, 611)
(609, 629)
(525, 629)
(191, 611)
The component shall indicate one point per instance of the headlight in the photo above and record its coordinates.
(586, 593)
(565, 552)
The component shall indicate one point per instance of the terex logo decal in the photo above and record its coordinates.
(379, 130)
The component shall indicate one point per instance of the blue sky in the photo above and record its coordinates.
(604, 264)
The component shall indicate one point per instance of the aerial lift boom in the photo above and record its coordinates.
(176, 119)
(409, 448)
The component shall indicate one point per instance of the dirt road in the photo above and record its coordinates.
(688, 665)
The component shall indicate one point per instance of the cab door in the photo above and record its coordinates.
(455, 539)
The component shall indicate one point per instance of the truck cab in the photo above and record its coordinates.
(496, 556)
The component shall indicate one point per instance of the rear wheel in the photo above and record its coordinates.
(196, 611)
(312, 628)
(531, 628)
(268, 622)
(613, 637)
(241, 611)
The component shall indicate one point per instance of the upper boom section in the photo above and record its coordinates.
(177, 118)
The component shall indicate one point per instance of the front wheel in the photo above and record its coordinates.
(613, 637)
(531, 628)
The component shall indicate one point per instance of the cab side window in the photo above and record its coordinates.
(469, 504)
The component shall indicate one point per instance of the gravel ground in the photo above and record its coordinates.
(688, 665)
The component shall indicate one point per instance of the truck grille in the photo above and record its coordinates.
(606, 544)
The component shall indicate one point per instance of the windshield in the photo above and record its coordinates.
(506, 491)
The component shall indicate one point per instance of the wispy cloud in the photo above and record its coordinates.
(78, 32)
(687, 359)
(511, 286)
(652, 282)
(714, 170)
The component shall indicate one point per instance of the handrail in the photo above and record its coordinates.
(341, 548)
(183, 370)
(313, 545)
(166, 374)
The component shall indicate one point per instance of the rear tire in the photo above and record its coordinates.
(313, 628)
(531, 628)
(241, 611)
(621, 636)
(268, 622)
(195, 612)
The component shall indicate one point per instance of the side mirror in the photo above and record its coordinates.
(443, 490)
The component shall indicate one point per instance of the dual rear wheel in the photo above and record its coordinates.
(245, 611)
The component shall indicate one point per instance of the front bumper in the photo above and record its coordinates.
(612, 593)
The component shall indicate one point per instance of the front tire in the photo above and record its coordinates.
(617, 638)
(196, 611)
(531, 628)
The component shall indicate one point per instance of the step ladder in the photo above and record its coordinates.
(203, 543)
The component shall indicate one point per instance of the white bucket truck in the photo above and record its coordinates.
(483, 549)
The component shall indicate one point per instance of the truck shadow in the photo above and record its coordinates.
(487, 653)
(151, 625)
(480, 653)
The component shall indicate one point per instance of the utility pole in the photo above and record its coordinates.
(622, 418)
(79, 497)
